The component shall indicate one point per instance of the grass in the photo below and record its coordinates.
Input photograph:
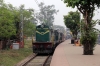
(11, 57)
(28, 43)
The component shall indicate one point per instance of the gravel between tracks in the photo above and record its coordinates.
(38, 61)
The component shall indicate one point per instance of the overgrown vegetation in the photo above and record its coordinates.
(93, 34)
(12, 57)
(10, 23)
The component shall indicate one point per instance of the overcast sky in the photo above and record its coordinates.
(59, 5)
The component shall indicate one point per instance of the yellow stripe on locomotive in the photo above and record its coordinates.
(42, 33)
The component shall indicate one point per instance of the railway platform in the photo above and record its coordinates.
(68, 55)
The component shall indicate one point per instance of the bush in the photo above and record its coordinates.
(90, 38)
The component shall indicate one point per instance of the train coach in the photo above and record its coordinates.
(61, 39)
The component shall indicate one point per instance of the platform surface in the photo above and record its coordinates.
(68, 55)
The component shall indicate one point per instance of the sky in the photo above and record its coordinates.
(59, 5)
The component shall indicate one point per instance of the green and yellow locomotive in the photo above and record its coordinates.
(46, 39)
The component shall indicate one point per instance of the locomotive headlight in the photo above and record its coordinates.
(48, 46)
(41, 46)
(34, 46)
(42, 26)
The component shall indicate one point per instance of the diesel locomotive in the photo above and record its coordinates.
(46, 39)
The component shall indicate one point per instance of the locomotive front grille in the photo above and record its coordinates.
(42, 47)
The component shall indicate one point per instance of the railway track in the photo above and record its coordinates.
(26, 60)
(38, 61)
(35, 60)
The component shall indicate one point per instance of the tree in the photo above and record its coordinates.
(10, 22)
(72, 21)
(6, 22)
(86, 7)
(28, 24)
(46, 14)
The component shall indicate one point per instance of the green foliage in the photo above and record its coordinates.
(28, 24)
(90, 37)
(6, 22)
(29, 28)
(74, 3)
(10, 20)
(72, 21)
(86, 7)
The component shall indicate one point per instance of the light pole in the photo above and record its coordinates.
(80, 26)
(21, 28)
(22, 37)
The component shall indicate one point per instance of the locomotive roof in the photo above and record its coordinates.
(40, 26)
